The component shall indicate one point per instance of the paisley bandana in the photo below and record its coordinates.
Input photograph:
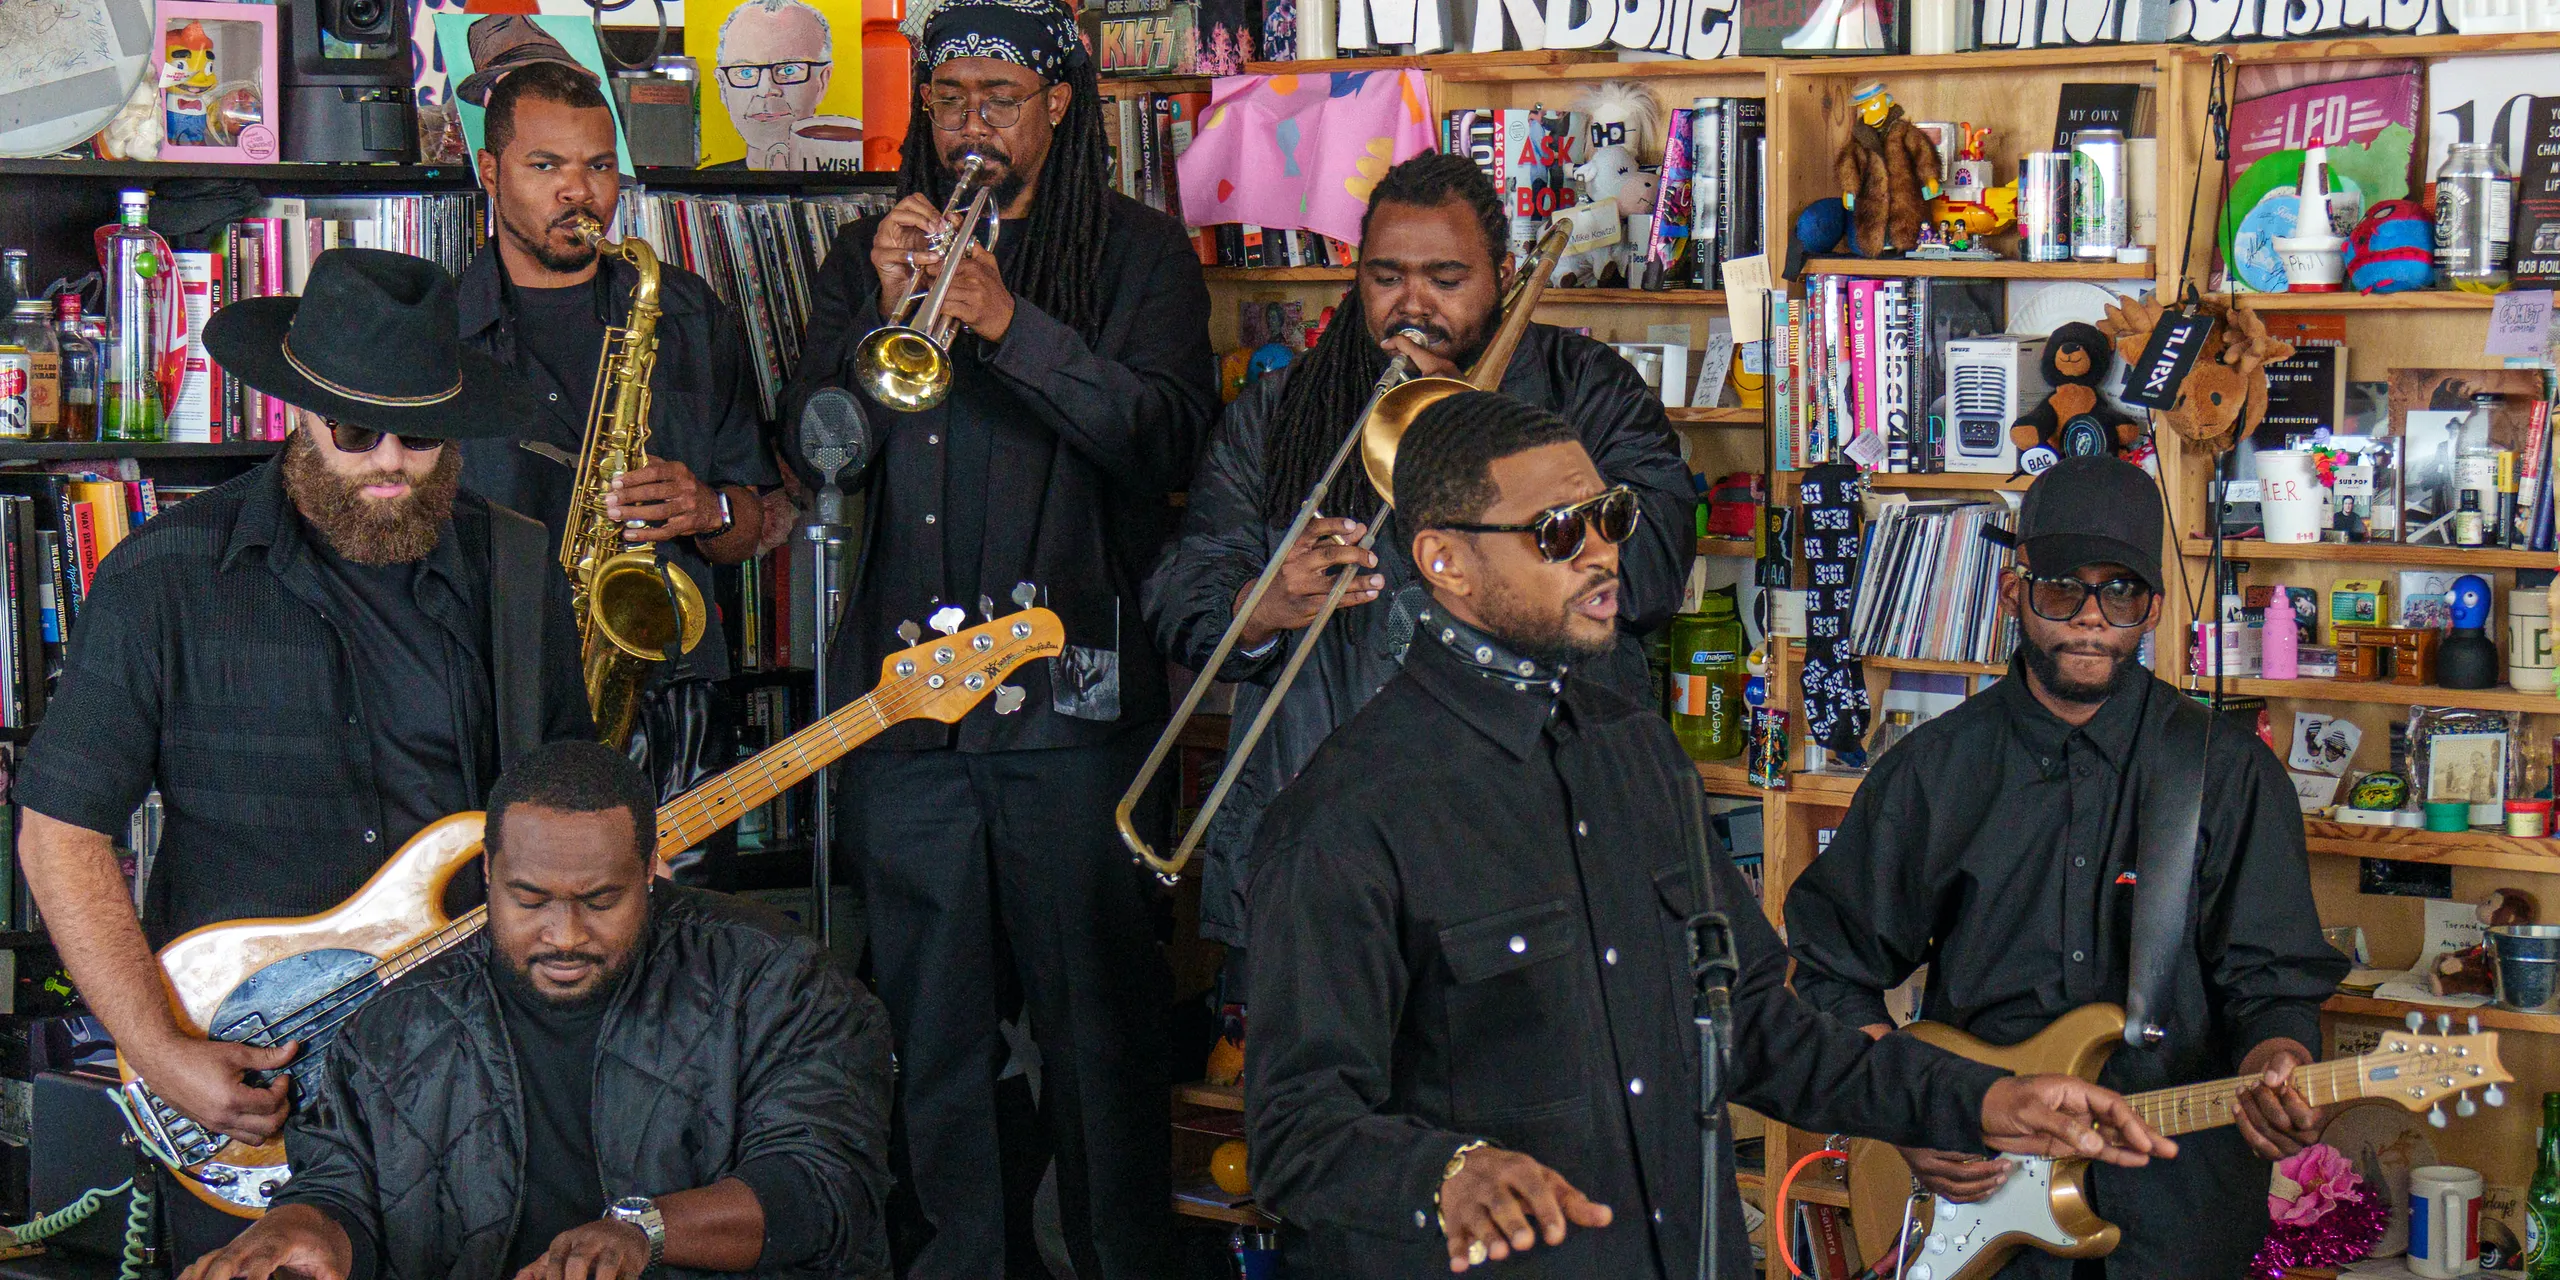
(1038, 34)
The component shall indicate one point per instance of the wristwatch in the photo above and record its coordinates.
(642, 1212)
(727, 520)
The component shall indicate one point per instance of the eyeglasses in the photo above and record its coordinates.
(951, 115)
(2124, 602)
(351, 438)
(747, 75)
(1559, 531)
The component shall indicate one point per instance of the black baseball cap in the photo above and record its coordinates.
(2085, 511)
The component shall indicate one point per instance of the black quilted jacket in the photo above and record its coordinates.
(735, 1040)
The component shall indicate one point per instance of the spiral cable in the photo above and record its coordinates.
(68, 1216)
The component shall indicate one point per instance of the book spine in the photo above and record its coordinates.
(1667, 256)
(271, 284)
(85, 532)
(1893, 374)
(1862, 358)
(191, 418)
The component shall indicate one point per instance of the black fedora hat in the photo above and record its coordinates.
(376, 340)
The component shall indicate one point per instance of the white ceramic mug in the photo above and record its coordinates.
(2444, 1221)
(2289, 495)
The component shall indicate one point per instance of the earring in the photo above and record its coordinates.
(1439, 566)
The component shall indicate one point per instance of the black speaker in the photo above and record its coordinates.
(348, 81)
(75, 1143)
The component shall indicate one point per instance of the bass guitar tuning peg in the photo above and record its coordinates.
(2494, 1096)
(2417, 1021)
(1023, 594)
(986, 609)
(2435, 1116)
(2464, 1107)
(947, 619)
(909, 632)
(1008, 699)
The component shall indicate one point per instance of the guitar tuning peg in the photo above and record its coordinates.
(909, 632)
(1008, 699)
(947, 619)
(2435, 1116)
(2464, 1107)
(986, 608)
(2417, 1021)
(2444, 1024)
(2494, 1096)
(1023, 594)
(2474, 1023)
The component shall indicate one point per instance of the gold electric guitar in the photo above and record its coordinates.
(278, 981)
(2045, 1203)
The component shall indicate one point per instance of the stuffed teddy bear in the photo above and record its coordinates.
(2075, 421)
(2225, 394)
(1625, 118)
(2474, 970)
(1888, 169)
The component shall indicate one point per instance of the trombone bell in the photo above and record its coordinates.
(1383, 431)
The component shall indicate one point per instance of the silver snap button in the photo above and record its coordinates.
(370, 835)
(928, 517)
(1518, 944)
(1484, 653)
(933, 439)
(1582, 828)
(1421, 1219)
(2079, 956)
(1610, 955)
(1636, 1087)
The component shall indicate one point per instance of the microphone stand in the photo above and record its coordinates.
(826, 533)
(1713, 968)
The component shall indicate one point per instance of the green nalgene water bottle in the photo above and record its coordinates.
(1707, 675)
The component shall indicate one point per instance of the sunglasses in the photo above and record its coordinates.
(2124, 602)
(1559, 531)
(351, 438)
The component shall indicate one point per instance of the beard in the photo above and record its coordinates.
(518, 975)
(366, 530)
(538, 247)
(1008, 189)
(2047, 668)
(1544, 634)
(1458, 348)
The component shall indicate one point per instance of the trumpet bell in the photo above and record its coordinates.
(1383, 431)
(903, 368)
(632, 609)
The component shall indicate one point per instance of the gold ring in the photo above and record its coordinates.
(1475, 1254)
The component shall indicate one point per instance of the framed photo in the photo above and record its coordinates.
(2463, 755)
(217, 81)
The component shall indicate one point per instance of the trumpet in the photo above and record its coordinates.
(1394, 402)
(906, 364)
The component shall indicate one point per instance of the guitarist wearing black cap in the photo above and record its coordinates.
(1998, 846)
(310, 663)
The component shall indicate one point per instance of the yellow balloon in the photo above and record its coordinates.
(1226, 1168)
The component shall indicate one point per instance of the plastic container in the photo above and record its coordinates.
(1707, 674)
(2280, 639)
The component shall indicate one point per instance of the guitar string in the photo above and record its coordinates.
(681, 816)
(2176, 1109)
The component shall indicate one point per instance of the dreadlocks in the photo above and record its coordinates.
(1056, 266)
(1329, 386)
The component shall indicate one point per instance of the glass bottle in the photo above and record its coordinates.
(31, 327)
(2542, 1199)
(2473, 192)
(1898, 724)
(79, 372)
(1707, 675)
(2475, 471)
(137, 271)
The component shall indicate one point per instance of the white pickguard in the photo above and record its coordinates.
(1960, 1234)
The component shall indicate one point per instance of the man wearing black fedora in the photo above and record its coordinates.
(310, 663)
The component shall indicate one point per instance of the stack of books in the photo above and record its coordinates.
(776, 611)
(56, 525)
(1929, 584)
(1863, 362)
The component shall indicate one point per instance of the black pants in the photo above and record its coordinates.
(968, 861)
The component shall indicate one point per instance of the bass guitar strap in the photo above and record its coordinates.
(2167, 831)
(520, 570)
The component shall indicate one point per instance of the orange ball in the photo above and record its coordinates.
(1226, 1168)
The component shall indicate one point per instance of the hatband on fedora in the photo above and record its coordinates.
(375, 339)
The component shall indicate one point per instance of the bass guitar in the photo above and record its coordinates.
(279, 981)
(2045, 1203)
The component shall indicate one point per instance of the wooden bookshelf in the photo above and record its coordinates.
(1727, 416)
(2495, 851)
(426, 177)
(1935, 667)
(2491, 1016)
(1948, 480)
(1998, 269)
(1728, 778)
(1728, 547)
(2414, 300)
(51, 451)
(2376, 553)
(1216, 1097)
(1278, 275)
(2500, 698)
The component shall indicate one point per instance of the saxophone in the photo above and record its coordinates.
(631, 607)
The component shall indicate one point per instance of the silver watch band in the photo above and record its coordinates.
(642, 1212)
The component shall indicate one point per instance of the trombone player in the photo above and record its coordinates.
(1431, 274)
(539, 300)
(1074, 394)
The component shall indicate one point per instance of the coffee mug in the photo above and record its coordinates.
(2444, 1221)
(829, 143)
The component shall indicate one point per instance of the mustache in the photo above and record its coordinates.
(564, 957)
(1600, 580)
(1433, 336)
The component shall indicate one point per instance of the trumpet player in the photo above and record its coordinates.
(539, 300)
(1432, 270)
(1080, 381)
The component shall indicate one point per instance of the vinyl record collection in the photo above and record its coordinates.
(1929, 584)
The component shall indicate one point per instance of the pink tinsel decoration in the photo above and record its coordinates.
(2331, 1220)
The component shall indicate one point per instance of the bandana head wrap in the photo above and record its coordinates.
(1038, 34)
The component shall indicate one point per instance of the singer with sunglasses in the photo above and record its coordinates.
(1434, 259)
(1998, 843)
(309, 663)
(1471, 997)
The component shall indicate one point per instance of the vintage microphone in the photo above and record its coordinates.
(834, 439)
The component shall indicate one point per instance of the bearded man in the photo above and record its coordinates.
(309, 663)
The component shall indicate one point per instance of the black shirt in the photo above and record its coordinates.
(433, 717)
(555, 1054)
(212, 663)
(1996, 845)
(1487, 941)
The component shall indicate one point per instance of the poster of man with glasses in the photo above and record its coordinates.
(778, 95)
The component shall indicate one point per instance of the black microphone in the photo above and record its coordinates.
(834, 438)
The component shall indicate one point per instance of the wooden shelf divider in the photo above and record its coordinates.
(1728, 547)
(1935, 667)
(2413, 300)
(2491, 1016)
(2376, 553)
(1997, 269)
(2496, 851)
(1725, 416)
(2500, 698)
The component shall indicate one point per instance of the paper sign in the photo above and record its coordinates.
(1867, 449)
(2323, 744)
(1746, 281)
(2520, 324)
(2314, 792)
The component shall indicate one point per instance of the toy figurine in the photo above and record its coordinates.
(187, 78)
(2074, 421)
(1928, 238)
(1625, 117)
(1887, 170)
(2468, 659)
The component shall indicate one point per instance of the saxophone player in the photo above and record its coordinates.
(310, 663)
(539, 299)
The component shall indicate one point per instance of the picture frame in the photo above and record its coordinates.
(218, 81)
(2463, 755)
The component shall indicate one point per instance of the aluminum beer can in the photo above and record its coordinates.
(2044, 206)
(2101, 215)
(17, 381)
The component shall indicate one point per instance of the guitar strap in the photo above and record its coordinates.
(2167, 830)
(520, 567)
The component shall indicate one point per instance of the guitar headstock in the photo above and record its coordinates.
(2423, 1071)
(943, 678)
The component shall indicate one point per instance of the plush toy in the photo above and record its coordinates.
(1887, 169)
(187, 76)
(2225, 394)
(2474, 970)
(1625, 120)
(2392, 249)
(1823, 227)
(2074, 421)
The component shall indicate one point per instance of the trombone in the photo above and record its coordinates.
(906, 364)
(1396, 400)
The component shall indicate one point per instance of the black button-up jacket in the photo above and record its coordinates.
(1996, 845)
(1081, 442)
(1469, 924)
(211, 662)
